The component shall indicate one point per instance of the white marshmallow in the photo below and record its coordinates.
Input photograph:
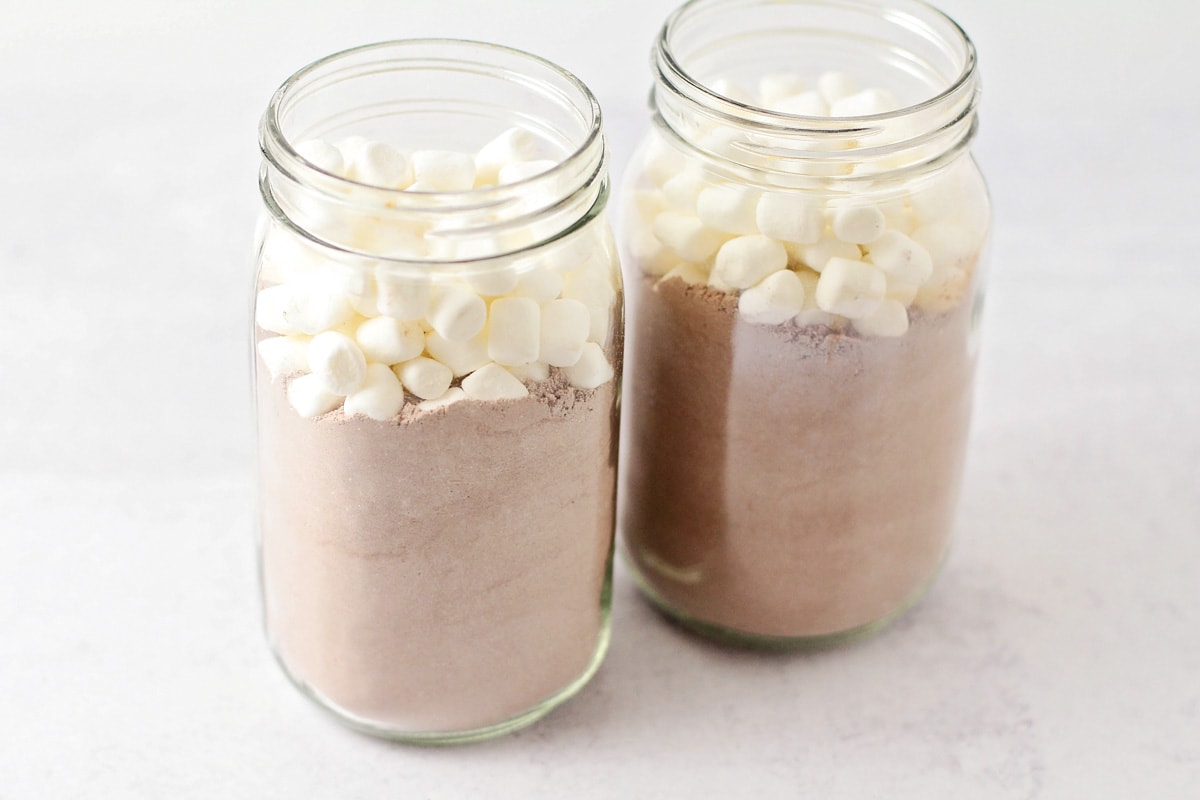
(902, 260)
(535, 372)
(890, 319)
(835, 86)
(746, 260)
(308, 395)
(380, 397)
(308, 306)
(539, 284)
(730, 209)
(687, 236)
(322, 155)
(523, 170)
(443, 170)
(460, 357)
(389, 341)
(513, 330)
(448, 398)
(284, 355)
(661, 161)
(382, 165)
(816, 255)
(401, 296)
(688, 273)
(864, 104)
(591, 286)
(581, 249)
(494, 281)
(349, 148)
(271, 307)
(649, 254)
(858, 224)
(950, 246)
(591, 370)
(852, 289)
(426, 378)
(777, 85)
(790, 217)
(566, 325)
(456, 312)
(647, 204)
(805, 104)
(812, 313)
(515, 144)
(955, 195)
(732, 90)
(492, 382)
(775, 300)
(336, 360)
(682, 192)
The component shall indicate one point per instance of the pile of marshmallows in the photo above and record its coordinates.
(797, 257)
(364, 338)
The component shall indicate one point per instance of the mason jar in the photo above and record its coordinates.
(804, 232)
(438, 333)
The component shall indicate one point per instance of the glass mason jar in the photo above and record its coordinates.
(438, 333)
(803, 232)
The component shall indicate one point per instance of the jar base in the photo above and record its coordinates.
(437, 738)
(755, 641)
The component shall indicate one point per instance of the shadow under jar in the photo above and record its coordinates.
(804, 230)
(438, 330)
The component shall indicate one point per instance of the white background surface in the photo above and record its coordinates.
(1057, 657)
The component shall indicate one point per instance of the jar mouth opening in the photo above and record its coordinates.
(431, 54)
(914, 16)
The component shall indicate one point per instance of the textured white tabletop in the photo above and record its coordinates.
(1057, 657)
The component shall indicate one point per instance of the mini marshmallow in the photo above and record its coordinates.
(308, 395)
(270, 310)
(513, 330)
(284, 355)
(954, 195)
(858, 224)
(426, 378)
(775, 300)
(448, 398)
(649, 254)
(864, 104)
(539, 284)
(403, 297)
(322, 155)
(591, 370)
(492, 382)
(689, 274)
(789, 217)
(746, 260)
(950, 246)
(730, 209)
(565, 327)
(903, 293)
(682, 192)
(647, 203)
(687, 236)
(380, 397)
(812, 313)
(514, 145)
(902, 260)
(494, 281)
(535, 372)
(662, 161)
(523, 170)
(379, 164)
(443, 170)
(349, 148)
(805, 104)
(308, 306)
(336, 360)
(835, 86)
(460, 357)
(816, 255)
(777, 85)
(456, 312)
(852, 289)
(732, 90)
(389, 341)
(591, 286)
(890, 319)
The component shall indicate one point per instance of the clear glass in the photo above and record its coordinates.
(437, 379)
(805, 272)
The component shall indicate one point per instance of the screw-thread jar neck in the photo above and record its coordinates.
(908, 48)
(434, 94)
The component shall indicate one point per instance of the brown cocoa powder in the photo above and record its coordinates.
(441, 571)
(788, 481)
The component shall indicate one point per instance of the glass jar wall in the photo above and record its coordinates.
(438, 331)
(803, 229)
